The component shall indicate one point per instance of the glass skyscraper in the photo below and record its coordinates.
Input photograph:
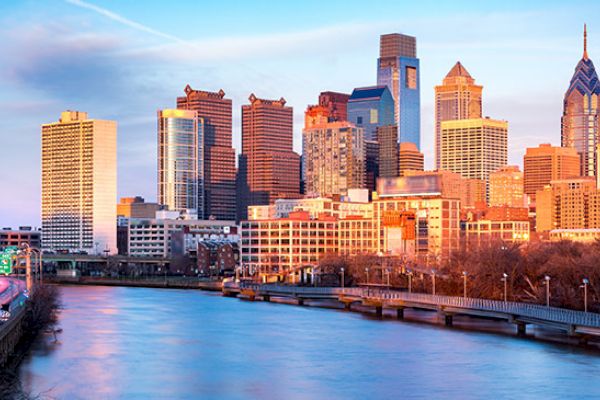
(371, 107)
(181, 161)
(398, 69)
(580, 113)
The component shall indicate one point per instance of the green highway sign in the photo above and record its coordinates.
(7, 259)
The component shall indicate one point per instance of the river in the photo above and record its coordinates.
(138, 343)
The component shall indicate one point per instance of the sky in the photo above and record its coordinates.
(124, 60)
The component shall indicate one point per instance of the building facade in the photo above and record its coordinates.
(506, 187)
(580, 113)
(18, 237)
(474, 148)
(458, 97)
(409, 158)
(371, 107)
(79, 184)
(219, 155)
(333, 159)
(387, 138)
(268, 167)
(398, 68)
(547, 163)
(164, 238)
(568, 204)
(181, 161)
(136, 207)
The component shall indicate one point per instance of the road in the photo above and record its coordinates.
(10, 289)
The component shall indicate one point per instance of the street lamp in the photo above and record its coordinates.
(367, 271)
(465, 284)
(388, 277)
(409, 273)
(433, 281)
(505, 280)
(342, 270)
(547, 281)
(584, 286)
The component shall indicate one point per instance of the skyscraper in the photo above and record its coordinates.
(387, 137)
(181, 161)
(506, 187)
(333, 156)
(398, 69)
(370, 107)
(79, 184)
(410, 158)
(474, 147)
(268, 168)
(547, 163)
(332, 107)
(458, 97)
(580, 113)
(219, 155)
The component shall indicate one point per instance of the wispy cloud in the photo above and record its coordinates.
(123, 20)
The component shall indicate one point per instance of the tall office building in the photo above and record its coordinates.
(580, 113)
(268, 167)
(506, 187)
(333, 158)
(458, 97)
(79, 184)
(219, 155)
(398, 69)
(547, 163)
(410, 158)
(387, 137)
(372, 163)
(371, 107)
(181, 162)
(474, 147)
(332, 107)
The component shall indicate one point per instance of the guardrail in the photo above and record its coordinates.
(523, 310)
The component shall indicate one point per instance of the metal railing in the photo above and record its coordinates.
(523, 310)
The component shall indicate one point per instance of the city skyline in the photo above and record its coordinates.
(83, 67)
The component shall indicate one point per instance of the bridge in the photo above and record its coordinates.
(583, 325)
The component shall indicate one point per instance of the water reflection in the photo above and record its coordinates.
(135, 343)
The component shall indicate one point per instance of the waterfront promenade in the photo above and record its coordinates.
(582, 325)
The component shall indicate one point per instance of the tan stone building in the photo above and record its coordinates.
(506, 187)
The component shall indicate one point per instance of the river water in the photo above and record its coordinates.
(137, 343)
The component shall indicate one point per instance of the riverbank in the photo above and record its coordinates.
(148, 282)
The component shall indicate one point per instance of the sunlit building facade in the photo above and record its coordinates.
(79, 184)
(333, 159)
(219, 155)
(269, 169)
(181, 162)
(409, 158)
(547, 163)
(474, 148)
(580, 113)
(506, 187)
(458, 97)
(398, 68)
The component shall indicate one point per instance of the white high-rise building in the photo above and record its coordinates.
(79, 184)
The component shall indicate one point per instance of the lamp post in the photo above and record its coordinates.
(433, 281)
(342, 270)
(367, 271)
(409, 273)
(505, 280)
(465, 284)
(585, 282)
(388, 277)
(547, 281)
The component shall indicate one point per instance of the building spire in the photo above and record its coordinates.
(585, 54)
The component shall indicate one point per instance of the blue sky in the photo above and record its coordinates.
(124, 60)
